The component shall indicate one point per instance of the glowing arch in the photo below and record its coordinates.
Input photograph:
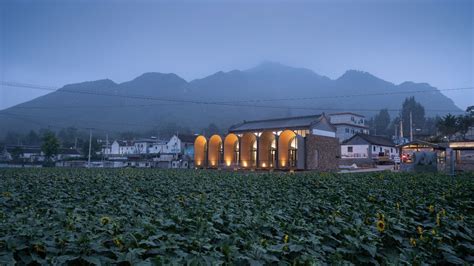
(231, 150)
(200, 151)
(287, 148)
(215, 149)
(267, 150)
(248, 150)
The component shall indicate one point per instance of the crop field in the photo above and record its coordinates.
(154, 217)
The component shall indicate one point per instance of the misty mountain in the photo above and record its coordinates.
(156, 100)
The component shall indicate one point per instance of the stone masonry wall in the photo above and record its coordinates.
(322, 153)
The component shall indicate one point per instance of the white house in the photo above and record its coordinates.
(366, 146)
(149, 146)
(348, 124)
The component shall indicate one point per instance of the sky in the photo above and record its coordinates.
(53, 43)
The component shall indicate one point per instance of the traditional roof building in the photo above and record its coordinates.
(304, 142)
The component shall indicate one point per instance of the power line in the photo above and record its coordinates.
(233, 103)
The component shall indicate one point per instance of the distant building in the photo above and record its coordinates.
(348, 124)
(366, 146)
(31, 154)
(292, 143)
(149, 146)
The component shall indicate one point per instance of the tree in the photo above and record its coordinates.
(95, 148)
(381, 122)
(32, 138)
(68, 136)
(447, 125)
(50, 145)
(211, 130)
(17, 152)
(463, 123)
(410, 105)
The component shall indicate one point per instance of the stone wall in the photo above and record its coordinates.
(322, 153)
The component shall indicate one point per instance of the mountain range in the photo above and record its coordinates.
(154, 100)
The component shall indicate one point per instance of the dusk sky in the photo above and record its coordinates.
(53, 43)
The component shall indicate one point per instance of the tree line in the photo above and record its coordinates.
(430, 128)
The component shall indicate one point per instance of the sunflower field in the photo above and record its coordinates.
(155, 217)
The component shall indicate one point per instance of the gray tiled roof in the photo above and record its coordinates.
(377, 140)
(278, 123)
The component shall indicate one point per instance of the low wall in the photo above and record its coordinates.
(322, 153)
(360, 162)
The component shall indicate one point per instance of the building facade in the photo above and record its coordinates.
(365, 146)
(348, 124)
(305, 142)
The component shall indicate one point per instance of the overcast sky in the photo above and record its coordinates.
(52, 43)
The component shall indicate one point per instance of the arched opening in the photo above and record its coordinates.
(215, 151)
(248, 150)
(231, 150)
(287, 149)
(200, 151)
(267, 150)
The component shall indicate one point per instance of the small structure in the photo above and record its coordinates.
(363, 146)
(348, 124)
(422, 156)
(291, 143)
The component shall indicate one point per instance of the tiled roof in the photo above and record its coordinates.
(278, 123)
(377, 140)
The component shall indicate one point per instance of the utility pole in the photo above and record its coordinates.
(401, 127)
(411, 127)
(90, 146)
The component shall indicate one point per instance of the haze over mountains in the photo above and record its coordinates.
(224, 98)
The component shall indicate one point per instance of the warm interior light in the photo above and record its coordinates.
(283, 163)
(264, 165)
(244, 164)
(228, 162)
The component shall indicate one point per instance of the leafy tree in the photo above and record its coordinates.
(50, 145)
(68, 136)
(95, 148)
(382, 122)
(418, 115)
(463, 123)
(17, 152)
(211, 130)
(447, 125)
(32, 138)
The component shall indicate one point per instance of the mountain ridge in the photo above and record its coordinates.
(268, 81)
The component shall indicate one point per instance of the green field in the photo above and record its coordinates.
(150, 217)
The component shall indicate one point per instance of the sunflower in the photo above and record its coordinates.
(443, 212)
(398, 206)
(412, 241)
(118, 242)
(431, 208)
(380, 226)
(438, 219)
(419, 229)
(380, 216)
(104, 220)
(285, 238)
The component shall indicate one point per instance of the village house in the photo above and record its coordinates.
(348, 124)
(149, 146)
(291, 143)
(32, 154)
(364, 146)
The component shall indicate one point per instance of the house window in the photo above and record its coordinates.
(347, 130)
(352, 118)
(352, 131)
(380, 149)
(349, 149)
(391, 150)
(373, 148)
